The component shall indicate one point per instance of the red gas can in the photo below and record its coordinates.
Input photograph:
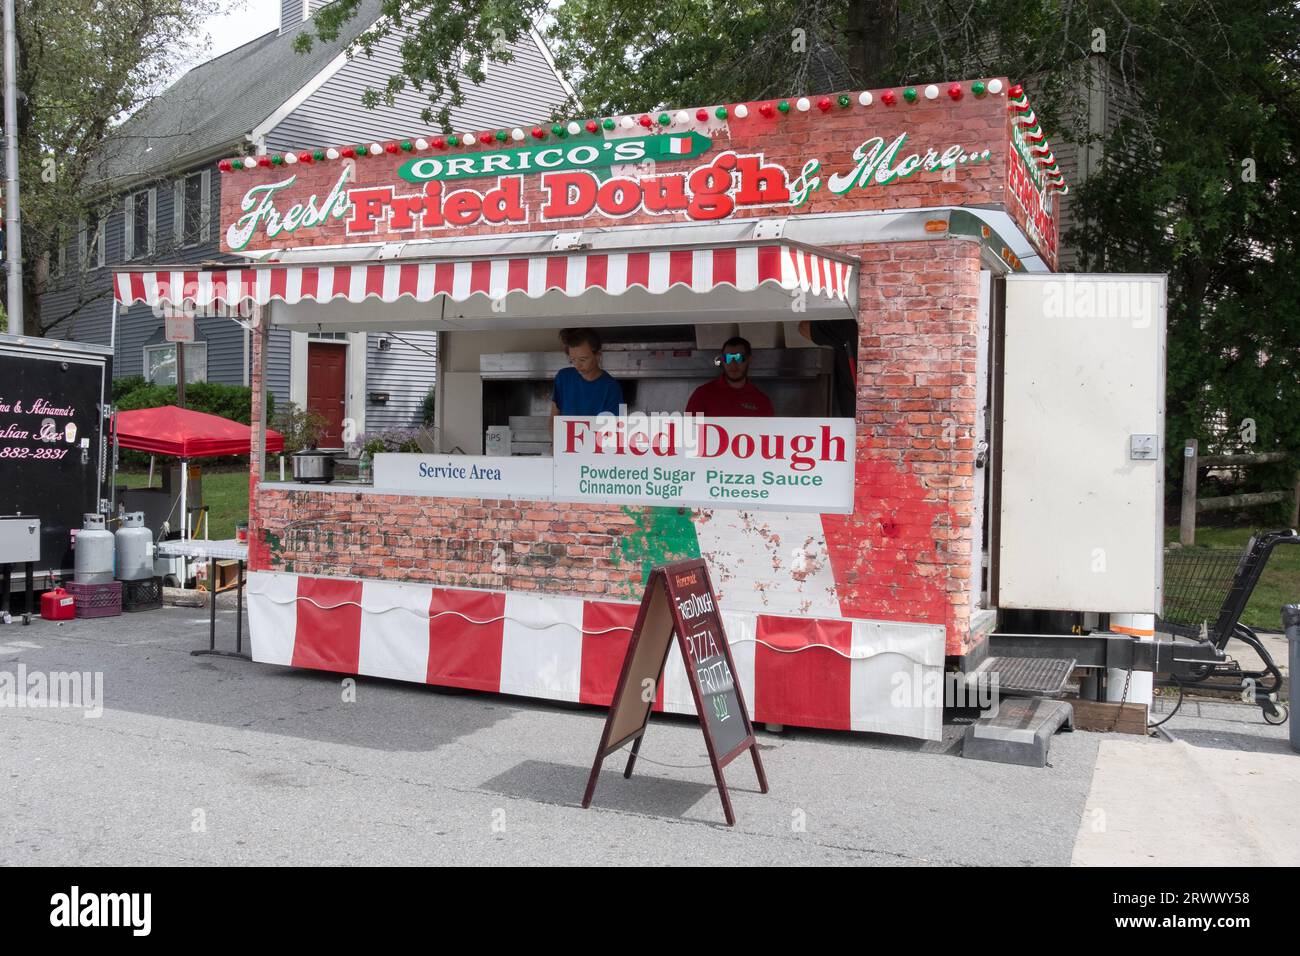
(58, 605)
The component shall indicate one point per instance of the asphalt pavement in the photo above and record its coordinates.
(200, 760)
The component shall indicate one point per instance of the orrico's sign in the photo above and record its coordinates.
(863, 155)
(558, 156)
(611, 179)
(756, 464)
(780, 464)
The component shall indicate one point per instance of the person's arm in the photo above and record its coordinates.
(805, 329)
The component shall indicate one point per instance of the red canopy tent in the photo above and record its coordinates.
(186, 433)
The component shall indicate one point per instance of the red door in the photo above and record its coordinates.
(327, 387)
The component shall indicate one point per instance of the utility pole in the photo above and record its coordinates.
(13, 233)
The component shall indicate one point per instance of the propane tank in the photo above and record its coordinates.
(134, 548)
(94, 561)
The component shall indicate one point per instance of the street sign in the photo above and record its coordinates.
(178, 327)
(679, 602)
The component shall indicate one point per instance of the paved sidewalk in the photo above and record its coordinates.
(1223, 792)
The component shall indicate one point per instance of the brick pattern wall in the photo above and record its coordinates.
(903, 555)
(453, 542)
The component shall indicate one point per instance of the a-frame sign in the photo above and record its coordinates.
(679, 602)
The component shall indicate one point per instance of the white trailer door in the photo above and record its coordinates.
(1082, 479)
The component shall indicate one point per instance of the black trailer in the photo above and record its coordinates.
(54, 450)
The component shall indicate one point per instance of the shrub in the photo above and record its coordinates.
(299, 427)
(389, 439)
(126, 385)
(427, 407)
(234, 402)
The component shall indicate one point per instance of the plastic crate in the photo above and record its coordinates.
(97, 600)
(145, 594)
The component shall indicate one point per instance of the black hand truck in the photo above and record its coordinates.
(1206, 592)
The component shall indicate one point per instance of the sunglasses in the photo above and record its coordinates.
(730, 357)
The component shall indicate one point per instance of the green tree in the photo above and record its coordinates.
(1200, 182)
(82, 66)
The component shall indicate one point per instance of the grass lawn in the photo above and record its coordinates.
(1278, 585)
(225, 493)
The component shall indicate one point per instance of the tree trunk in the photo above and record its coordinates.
(872, 30)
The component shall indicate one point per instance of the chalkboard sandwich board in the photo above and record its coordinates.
(679, 603)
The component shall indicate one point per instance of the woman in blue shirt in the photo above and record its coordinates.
(584, 388)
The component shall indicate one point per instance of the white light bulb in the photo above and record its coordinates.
(682, 118)
(995, 87)
(421, 144)
(573, 128)
(332, 153)
(802, 104)
(932, 92)
(864, 98)
(516, 134)
(627, 122)
(741, 110)
(290, 159)
(375, 148)
(468, 139)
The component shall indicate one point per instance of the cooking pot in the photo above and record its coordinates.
(312, 465)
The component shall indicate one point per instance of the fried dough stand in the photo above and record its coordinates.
(926, 215)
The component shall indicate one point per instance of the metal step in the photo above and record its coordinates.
(1025, 676)
(1019, 732)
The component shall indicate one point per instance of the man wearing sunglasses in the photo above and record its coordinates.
(731, 394)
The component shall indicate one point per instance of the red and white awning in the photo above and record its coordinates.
(702, 269)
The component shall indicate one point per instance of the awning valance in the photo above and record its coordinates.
(744, 267)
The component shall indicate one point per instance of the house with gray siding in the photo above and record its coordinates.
(162, 198)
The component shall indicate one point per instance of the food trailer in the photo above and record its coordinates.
(1003, 459)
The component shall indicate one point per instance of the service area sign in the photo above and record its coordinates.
(461, 476)
(779, 464)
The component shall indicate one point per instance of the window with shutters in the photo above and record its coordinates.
(91, 244)
(193, 208)
(141, 224)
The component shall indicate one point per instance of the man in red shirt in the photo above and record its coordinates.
(731, 394)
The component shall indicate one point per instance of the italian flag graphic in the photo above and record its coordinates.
(679, 145)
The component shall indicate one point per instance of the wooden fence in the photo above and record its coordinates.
(1192, 506)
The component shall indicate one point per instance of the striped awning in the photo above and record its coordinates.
(743, 267)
